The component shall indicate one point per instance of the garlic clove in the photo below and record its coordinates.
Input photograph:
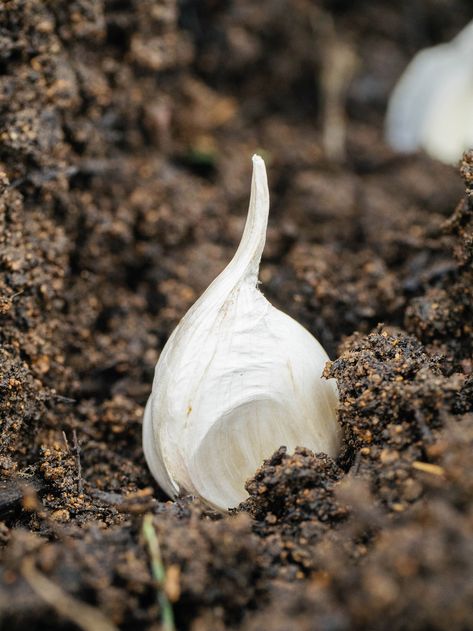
(431, 106)
(236, 380)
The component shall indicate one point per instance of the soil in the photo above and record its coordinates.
(126, 131)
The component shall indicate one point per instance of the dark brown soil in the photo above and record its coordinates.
(126, 131)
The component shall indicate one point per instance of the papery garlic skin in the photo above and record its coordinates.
(431, 106)
(236, 380)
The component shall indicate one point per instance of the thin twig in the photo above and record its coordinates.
(66, 442)
(356, 465)
(85, 616)
(339, 65)
(60, 397)
(158, 572)
(427, 467)
(17, 293)
(80, 486)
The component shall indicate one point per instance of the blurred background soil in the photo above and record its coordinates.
(126, 131)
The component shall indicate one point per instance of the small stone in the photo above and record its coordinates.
(388, 456)
(61, 515)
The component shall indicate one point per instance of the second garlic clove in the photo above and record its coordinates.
(431, 107)
(236, 380)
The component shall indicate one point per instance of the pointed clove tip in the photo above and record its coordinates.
(257, 159)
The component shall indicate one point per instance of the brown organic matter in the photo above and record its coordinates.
(126, 131)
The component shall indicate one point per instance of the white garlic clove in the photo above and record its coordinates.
(236, 380)
(431, 106)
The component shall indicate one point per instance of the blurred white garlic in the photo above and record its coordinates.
(431, 107)
(236, 380)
